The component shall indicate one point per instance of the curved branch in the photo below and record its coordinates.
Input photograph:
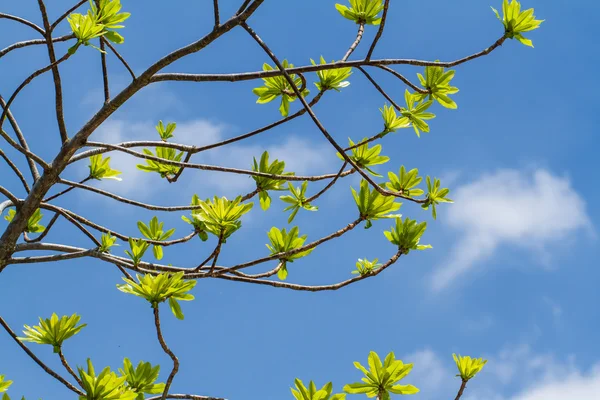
(403, 79)
(33, 42)
(24, 22)
(65, 364)
(168, 351)
(66, 14)
(380, 30)
(116, 53)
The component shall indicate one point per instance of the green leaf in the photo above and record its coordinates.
(332, 78)
(297, 200)
(372, 205)
(362, 11)
(516, 22)
(278, 86)
(53, 331)
(407, 235)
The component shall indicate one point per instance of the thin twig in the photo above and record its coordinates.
(45, 232)
(359, 35)
(116, 53)
(66, 14)
(461, 390)
(33, 42)
(64, 362)
(168, 351)
(60, 117)
(216, 9)
(15, 169)
(403, 79)
(380, 30)
(48, 199)
(24, 22)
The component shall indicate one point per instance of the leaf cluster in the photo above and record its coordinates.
(141, 379)
(154, 231)
(53, 331)
(362, 11)
(100, 168)
(332, 78)
(435, 196)
(198, 225)
(301, 392)
(221, 216)
(516, 22)
(278, 86)
(372, 205)
(137, 250)
(264, 184)
(107, 385)
(407, 235)
(33, 223)
(283, 242)
(405, 182)
(297, 200)
(365, 267)
(366, 157)
(159, 288)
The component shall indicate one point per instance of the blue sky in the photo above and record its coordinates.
(512, 276)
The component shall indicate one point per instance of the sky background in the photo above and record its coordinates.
(513, 273)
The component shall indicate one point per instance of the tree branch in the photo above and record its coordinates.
(380, 30)
(15, 169)
(24, 22)
(168, 351)
(359, 35)
(64, 362)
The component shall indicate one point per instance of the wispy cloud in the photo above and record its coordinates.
(530, 210)
(300, 156)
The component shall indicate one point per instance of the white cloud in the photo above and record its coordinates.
(529, 210)
(300, 156)
(577, 386)
(428, 374)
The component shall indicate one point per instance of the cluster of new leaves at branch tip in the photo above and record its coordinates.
(282, 242)
(106, 242)
(98, 22)
(366, 157)
(221, 217)
(158, 288)
(105, 386)
(405, 182)
(407, 235)
(100, 168)
(372, 205)
(435, 196)
(141, 379)
(467, 366)
(297, 200)
(279, 86)
(365, 267)
(416, 113)
(197, 223)
(382, 379)
(516, 22)
(392, 121)
(302, 392)
(33, 223)
(166, 153)
(4, 384)
(154, 231)
(332, 78)
(362, 11)
(263, 184)
(137, 250)
(53, 331)
(166, 132)
(437, 83)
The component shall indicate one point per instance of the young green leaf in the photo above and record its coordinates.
(154, 231)
(100, 168)
(277, 86)
(105, 386)
(282, 242)
(407, 235)
(372, 205)
(221, 216)
(362, 11)
(297, 200)
(53, 331)
(164, 170)
(516, 22)
(382, 379)
(33, 223)
(107, 242)
(4, 384)
(138, 247)
(365, 267)
(198, 225)
(435, 196)
(467, 366)
(166, 132)
(159, 288)
(416, 112)
(437, 82)
(141, 379)
(264, 184)
(332, 79)
(366, 157)
(405, 182)
(302, 392)
(391, 121)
